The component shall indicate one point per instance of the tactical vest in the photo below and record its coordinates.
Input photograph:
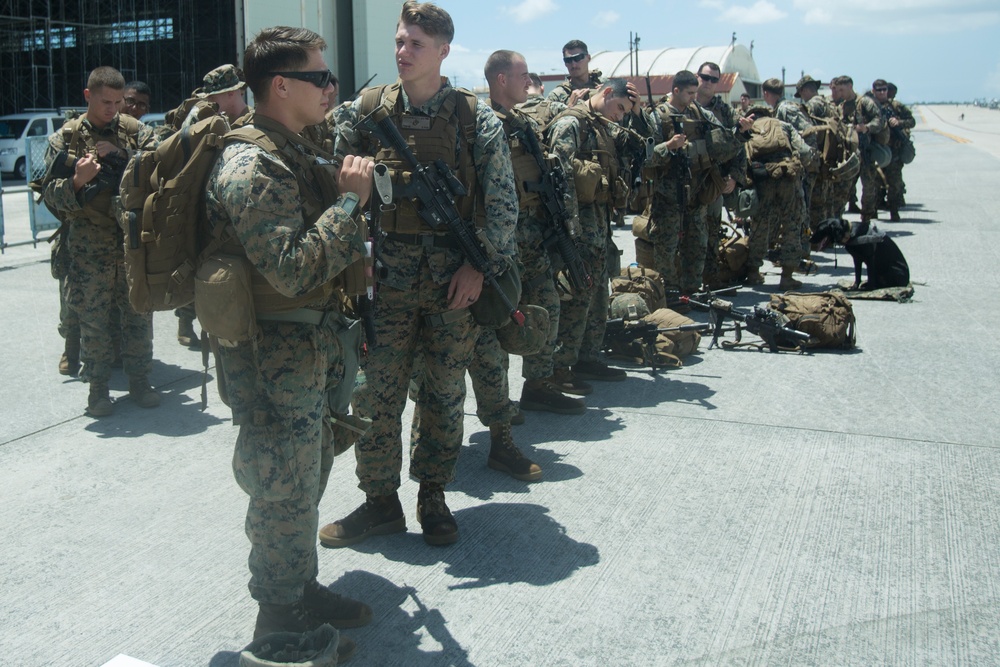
(539, 108)
(201, 107)
(316, 175)
(600, 163)
(526, 169)
(593, 82)
(696, 131)
(80, 140)
(448, 136)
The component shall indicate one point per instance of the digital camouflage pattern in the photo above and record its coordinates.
(562, 92)
(821, 201)
(895, 187)
(96, 282)
(278, 388)
(863, 110)
(541, 109)
(412, 319)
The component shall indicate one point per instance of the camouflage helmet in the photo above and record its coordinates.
(528, 339)
(317, 648)
(221, 80)
(846, 170)
(489, 309)
(629, 306)
(879, 154)
(803, 82)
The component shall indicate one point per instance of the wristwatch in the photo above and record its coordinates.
(351, 203)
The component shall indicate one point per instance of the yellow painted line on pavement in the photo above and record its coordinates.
(957, 139)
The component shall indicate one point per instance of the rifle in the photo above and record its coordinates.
(551, 189)
(623, 334)
(681, 165)
(435, 187)
(363, 86)
(63, 165)
(759, 321)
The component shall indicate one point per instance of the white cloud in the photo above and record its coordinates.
(902, 17)
(762, 11)
(603, 19)
(458, 48)
(530, 10)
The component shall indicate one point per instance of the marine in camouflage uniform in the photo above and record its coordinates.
(817, 108)
(277, 198)
(781, 209)
(576, 57)
(96, 281)
(427, 287)
(863, 112)
(900, 120)
(591, 146)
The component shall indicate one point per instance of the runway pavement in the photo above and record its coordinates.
(747, 509)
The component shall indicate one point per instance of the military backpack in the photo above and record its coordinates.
(827, 317)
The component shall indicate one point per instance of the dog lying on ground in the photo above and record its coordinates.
(867, 246)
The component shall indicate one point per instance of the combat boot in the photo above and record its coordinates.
(565, 381)
(378, 515)
(506, 457)
(594, 370)
(435, 518)
(69, 362)
(295, 618)
(329, 607)
(543, 396)
(142, 394)
(99, 401)
(754, 277)
(894, 215)
(185, 332)
(787, 281)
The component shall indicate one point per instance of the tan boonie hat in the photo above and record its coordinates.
(773, 86)
(222, 80)
(805, 81)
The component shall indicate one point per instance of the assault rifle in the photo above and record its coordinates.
(551, 189)
(622, 334)
(759, 321)
(435, 187)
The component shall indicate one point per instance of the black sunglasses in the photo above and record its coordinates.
(708, 77)
(318, 79)
(881, 90)
(575, 58)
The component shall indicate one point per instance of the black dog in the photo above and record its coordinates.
(867, 246)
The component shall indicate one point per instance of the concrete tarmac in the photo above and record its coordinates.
(830, 508)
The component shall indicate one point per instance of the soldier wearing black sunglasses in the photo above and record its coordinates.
(579, 79)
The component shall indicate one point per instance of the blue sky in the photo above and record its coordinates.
(934, 50)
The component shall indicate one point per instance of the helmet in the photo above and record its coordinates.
(878, 154)
(489, 310)
(629, 306)
(527, 339)
(317, 648)
(846, 170)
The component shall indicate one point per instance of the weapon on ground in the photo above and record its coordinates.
(763, 322)
(435, 186)
(551, 189)
(620, 333)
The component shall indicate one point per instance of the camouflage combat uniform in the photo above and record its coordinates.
(818, 108)
(541, 109)
(734, 169)
(412, 317)
(781, 209)
(280, 387)
(894, 171)
(96, 281)
(791, 113)
(863, 110)
(579, 137)
(562, 92)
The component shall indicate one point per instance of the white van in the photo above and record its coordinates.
(15, 128)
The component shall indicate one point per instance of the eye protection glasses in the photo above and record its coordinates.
(318, 79)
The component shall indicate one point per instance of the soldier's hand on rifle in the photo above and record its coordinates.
(861, 128)
(356, 176)
(893, 122)
(85, 170)
(106, 148)
(465, 287)
(676, 141)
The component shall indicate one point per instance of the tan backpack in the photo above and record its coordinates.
(827, 317)
(642, 281)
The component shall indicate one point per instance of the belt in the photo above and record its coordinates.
(301, 316)
(426, 240)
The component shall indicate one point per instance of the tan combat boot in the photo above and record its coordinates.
(69, 362)
(506, 457)
(142, 394)
(787, 281)
(99, 401)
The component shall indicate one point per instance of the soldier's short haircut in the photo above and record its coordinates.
(139, 87)
(535, 79)
(892, 87)
(845, 80)
(619, 87)
(277, 49)
(879, 83)
(430, 18)
(574, 45)
(500, 62)
(105, 77)
(712, 66)
(685, 79)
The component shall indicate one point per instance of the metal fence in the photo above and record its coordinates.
(41, 217)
